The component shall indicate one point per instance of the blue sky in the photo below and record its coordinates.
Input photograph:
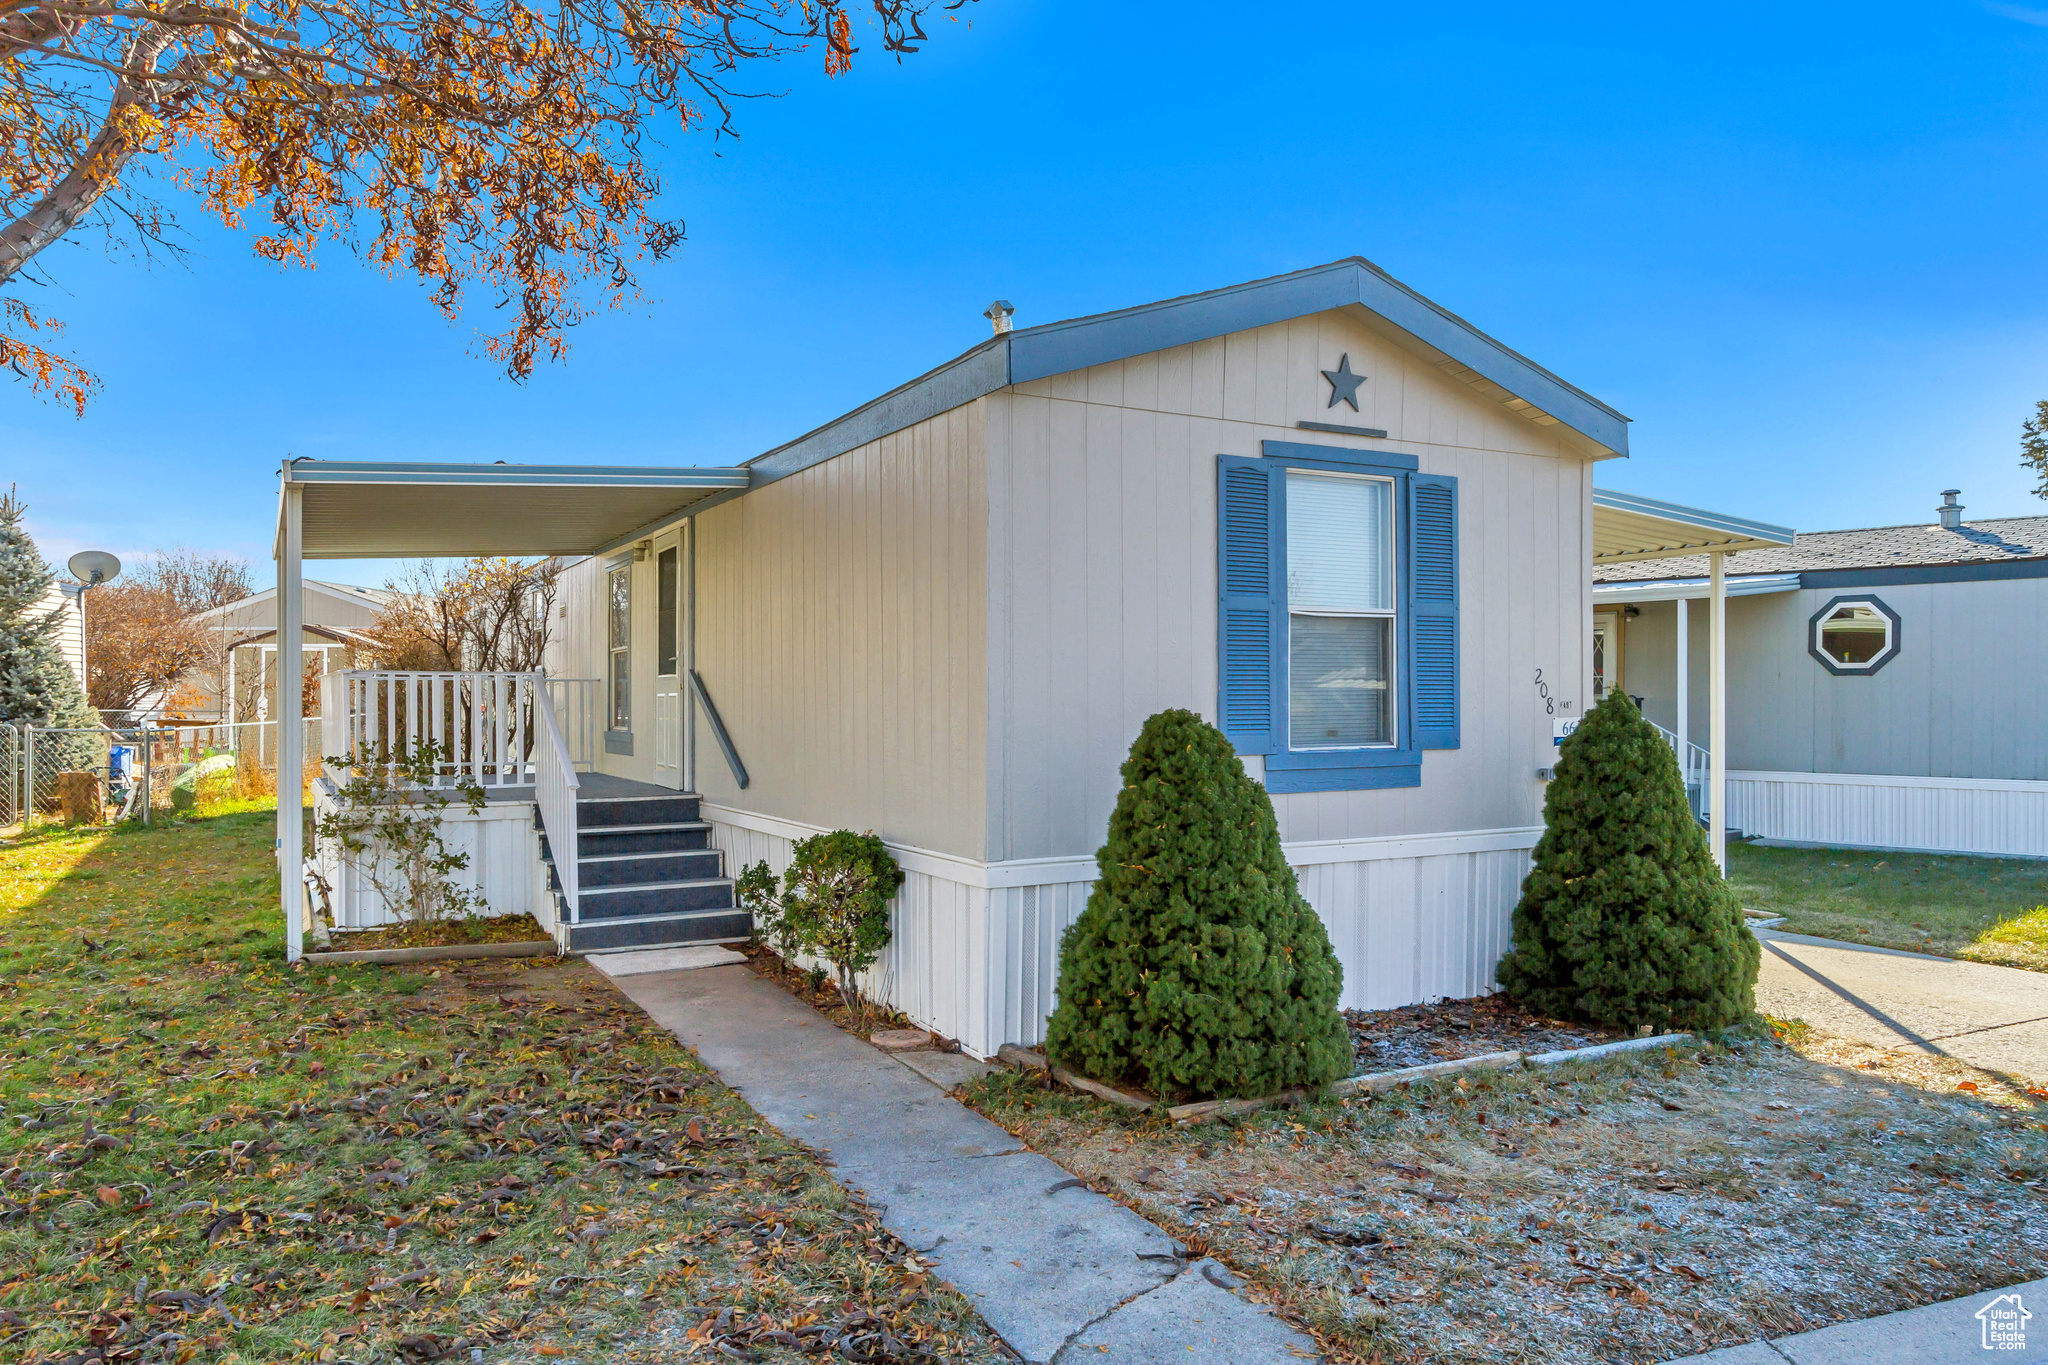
(1799, 245)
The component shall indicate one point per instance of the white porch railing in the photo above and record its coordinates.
(483, 721)
(497, 730)
(554, 792)
(1692, 763)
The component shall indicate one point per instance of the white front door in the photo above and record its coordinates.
(1606, 652)
(670, 626)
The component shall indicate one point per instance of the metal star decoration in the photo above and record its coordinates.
(1343, 383)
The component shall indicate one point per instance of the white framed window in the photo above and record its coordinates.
(1341, 616)
(1854, 636)
(619, 641)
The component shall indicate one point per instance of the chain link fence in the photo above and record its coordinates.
(140, 770)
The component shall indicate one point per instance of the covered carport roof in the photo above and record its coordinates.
(364, 509)
(1626, 527)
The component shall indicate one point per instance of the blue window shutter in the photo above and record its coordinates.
(1248, 604)
(1433, 589)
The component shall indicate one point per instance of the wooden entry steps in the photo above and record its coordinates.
(647, 875)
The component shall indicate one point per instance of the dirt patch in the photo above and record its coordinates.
(443, 933)
(1416, 1035)
(819, 990)
(1633, 1209)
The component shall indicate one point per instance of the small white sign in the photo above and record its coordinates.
(1563, 728)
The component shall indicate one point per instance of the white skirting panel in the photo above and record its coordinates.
(938, 928)
(1910, 814)
(504, 864)
(974, 952)
(1414, 929)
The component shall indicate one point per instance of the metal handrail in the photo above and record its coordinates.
(718, 731)
(554, 792)
(1693, 765)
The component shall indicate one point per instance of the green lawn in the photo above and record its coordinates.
(208, 1157)
(1987, 909)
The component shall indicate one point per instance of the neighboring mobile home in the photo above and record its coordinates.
(1884, 683)
(1344, 524)
(237, 681)
(62, 601)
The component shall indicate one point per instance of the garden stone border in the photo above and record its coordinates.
(1204, 1111)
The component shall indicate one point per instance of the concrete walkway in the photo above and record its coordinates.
(1949, 1333)
(1993, 1018)
(1059, 1272)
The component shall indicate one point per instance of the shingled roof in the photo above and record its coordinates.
(1874, 547)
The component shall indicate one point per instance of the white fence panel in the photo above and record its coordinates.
(1909, 814)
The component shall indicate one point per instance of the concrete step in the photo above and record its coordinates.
(646, 931)
(670, 837)
(642, 869)
(601, 812)
(655, 898)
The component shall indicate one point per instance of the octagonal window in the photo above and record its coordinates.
(1855, 635)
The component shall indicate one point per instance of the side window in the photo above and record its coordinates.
(1854, 636)
(619, 633)
(1337, 615)
(1340, 610)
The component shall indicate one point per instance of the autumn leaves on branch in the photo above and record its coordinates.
(502, 146)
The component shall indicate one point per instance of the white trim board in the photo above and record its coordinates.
(1020, 872)
(1691, 589)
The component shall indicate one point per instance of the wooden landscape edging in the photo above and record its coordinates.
(1203, 1111)
(540, 947)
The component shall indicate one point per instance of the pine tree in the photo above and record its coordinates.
(36, 684)
(1197, 969)
(1625, 920)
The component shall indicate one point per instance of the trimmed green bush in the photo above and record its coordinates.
(835, 903)
(1625, 920)
(1197, 969)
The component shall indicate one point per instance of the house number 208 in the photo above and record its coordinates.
(1543, 691)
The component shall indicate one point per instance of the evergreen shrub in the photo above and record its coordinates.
(1625, 920)
(1197, 969)
(835, 903)
(36, 685)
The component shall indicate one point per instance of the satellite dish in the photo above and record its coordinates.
(92, 567)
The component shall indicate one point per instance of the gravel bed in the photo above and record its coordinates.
(1633, 1209)
(1416, 1035)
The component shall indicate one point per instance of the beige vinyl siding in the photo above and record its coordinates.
(841, 630)
(575, 650)
(1102, 572)
(1962, 699)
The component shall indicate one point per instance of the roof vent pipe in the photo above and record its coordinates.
(999, 314)
(1950, 511)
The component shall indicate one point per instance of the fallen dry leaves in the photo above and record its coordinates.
(210, 1158)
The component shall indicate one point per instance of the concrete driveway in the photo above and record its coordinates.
(1993, 1018)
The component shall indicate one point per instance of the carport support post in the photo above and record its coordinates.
(1717, 713)
(291, 732)
(1684, 690)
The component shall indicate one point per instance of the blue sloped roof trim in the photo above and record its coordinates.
(1060, 347)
